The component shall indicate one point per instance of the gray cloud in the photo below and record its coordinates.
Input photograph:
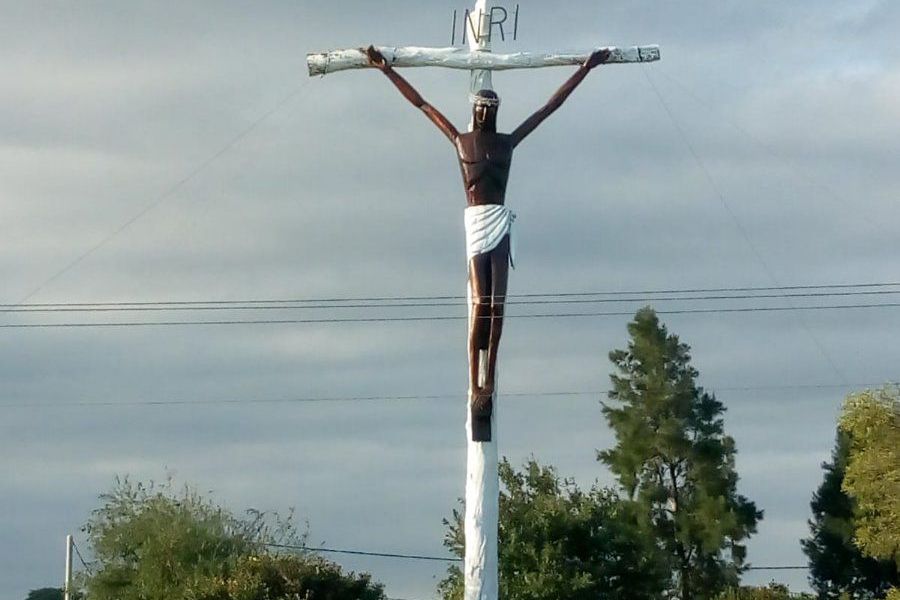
(347, 191)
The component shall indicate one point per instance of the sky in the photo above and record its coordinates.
(163, 151)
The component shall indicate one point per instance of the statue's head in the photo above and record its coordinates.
(484, 112)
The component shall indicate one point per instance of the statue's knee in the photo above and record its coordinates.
(481, 301)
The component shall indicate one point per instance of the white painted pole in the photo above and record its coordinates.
(67, 590)
(482, 518)
(481, 78)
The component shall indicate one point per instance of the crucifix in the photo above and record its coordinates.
(484, 156)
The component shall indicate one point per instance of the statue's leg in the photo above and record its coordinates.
(480, 326)
(499, 279)
(480, 272)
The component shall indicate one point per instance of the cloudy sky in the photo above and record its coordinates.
(156, 151)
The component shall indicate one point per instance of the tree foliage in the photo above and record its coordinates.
(53, 594)
(871, 420)
(45, 594)
(154, 542)
(558, 542)
(838, 568)
(285, 577)
(674, 460)
(774, 591)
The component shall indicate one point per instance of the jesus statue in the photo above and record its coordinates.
(484, 158)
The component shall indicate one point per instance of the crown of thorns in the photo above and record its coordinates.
(479, 100)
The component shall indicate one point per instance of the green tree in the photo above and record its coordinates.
(774, 591)
(154, 542)
(838, 569)
(558, 542)
(285, 577)
(45, 594)
(674, 460)
(871, 419)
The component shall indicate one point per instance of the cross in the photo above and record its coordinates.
(484, 156)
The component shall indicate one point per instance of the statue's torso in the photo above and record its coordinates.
(484, 158)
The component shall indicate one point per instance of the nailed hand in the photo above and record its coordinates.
(376, 58)
(597, 58)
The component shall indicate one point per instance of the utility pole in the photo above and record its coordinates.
(67, 590)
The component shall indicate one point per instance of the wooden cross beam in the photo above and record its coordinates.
(460, 58)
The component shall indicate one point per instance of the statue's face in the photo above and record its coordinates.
(485, 117)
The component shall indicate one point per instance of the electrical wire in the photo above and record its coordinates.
(425, 557)
(364, 553)
(645, 292)
(738, 224)
(799, 175)
(168, 192)
(413, 397)
(81, 558)
(299, 304)
(332, 320)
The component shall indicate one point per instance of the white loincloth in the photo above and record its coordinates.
(486, 224)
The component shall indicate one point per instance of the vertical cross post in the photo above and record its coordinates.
(482, 510)
(481, 78)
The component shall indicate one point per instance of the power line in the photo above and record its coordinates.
(81, 558)
(365, 553)
(699, 311)
(806, 179)
(300, 304)
(737, 222)
(413, 397)
(170, 191)
(453, 559)
(647, 292)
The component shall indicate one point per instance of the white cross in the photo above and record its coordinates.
(458, 58)
(482, 484)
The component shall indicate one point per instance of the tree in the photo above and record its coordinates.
(871, 419)
(838, 569)
(774, 591)
(153, 542)
(52, 594)
(674, 460)
(285, 577)
(557, 542)
(45, 594)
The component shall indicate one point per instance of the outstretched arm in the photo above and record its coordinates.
(377, 60)
(531, 123)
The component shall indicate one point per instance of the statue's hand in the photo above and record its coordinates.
(597, 58)
(376, 58)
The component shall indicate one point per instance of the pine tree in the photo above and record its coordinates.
(837, 566)
(674, 460)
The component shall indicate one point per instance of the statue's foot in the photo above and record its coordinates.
(482, 408)
(482, 403)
